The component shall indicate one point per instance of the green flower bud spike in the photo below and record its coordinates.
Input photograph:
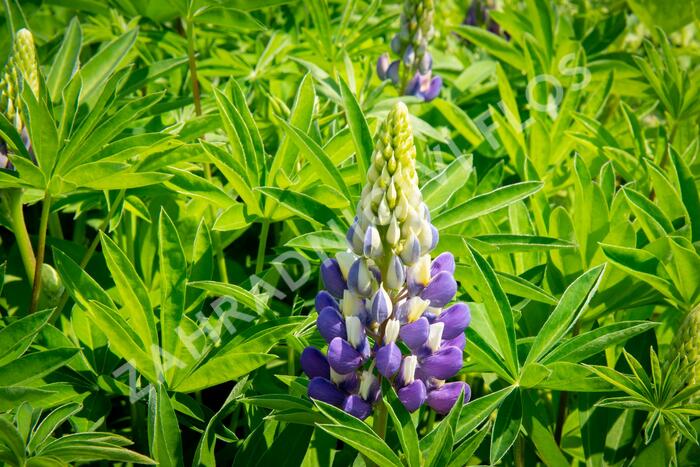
(686, 345)
(22, 67)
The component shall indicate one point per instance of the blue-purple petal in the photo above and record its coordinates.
(333, 277)
(382, 66)
(330, 324)
(443, 399)
(456, 319)
(443, 364)
(325, 299)
(324, 390)
(441, 289)
(413, 395)
(433, 90)
(357, 407)
(459, 341)
(388, 359)
(393, 72)
(444, 262)
(343, 357)
(416, 333)
(314, 363)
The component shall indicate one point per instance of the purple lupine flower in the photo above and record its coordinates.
(385, 294)
(412, 71)
(479, 15)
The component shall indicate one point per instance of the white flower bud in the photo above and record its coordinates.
(435, 336)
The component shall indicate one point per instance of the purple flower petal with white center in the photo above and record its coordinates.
(396, 274)
(443, 262)
(388, 359)
(330, 324)
(382, 66)
(436, 237)
(393, 72)
(441, 289)
(333, 277)
(413, 86)
(411, 251)
(324, 299)
(314, 363)
(360, 278)
(425, 64)
(416, 333)
(456, 319)
(413, 395)
(357, 407)
(350, 384)
(433, 89)
(324, 390)
(396, 44)
(343, 357)
(443, 364)
(460, 341)
(381, 305)
(354, 238)
(372, 245)
(443, 399)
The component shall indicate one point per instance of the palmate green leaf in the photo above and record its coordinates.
(439, 449)
(238, 293)
(304, 206)
(571, 305)
(323, 240)
(642, 265)
(134, 295)
(512, 243)
(515, 285)
(357, 434)
(185, 182)
(499, 311)
(98, 69)
(439, 190)
(239, 138)
(684, 267)
(16, 337)
(536, 426)
(460, 121)
(42, 131)
(173, 280)
(300, 117)
(163, 429)
(222, 368)
(567, 376)
(205, 449)
(239, 101)
(466, 450)
(12, 397)
(10, 437)
(403, 425)
(507, 426)
(359, 130)
(35, 365)
(654, 222)
(123, 340)
(230, 18)
(65, 61)
(80, 286)
(232, 218)
(318, 159)
(494, 45)
(42, 432)
(585, 345)
(487, 203)
(235, 174)
(689, 192)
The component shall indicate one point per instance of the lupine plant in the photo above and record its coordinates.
(418, 233)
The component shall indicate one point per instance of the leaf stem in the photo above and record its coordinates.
(40, 250)
(12, 199)
(669, 442)
(262, 246)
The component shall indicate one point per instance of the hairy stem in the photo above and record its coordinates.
(668, 438)
(12, 200)
(40, 250)
(262, 246)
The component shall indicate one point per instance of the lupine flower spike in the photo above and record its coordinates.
(686, 346)
(412, 72)
(386, 309)
(21, 69)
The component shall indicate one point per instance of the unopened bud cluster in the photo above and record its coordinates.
(386, 296)
(687, 345)
(21, 70)
(412, 72)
